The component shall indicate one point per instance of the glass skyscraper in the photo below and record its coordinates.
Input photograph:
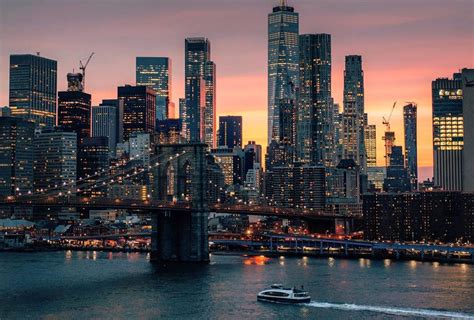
(283, 63)
(448, 132)
(230, 131)
(314, 132)
(155, 72)
(139, 106)
(353, 119)
(74, 108)
(33, 88)
(370, 137)
(411, 157)
(200, 90)
(16, 156)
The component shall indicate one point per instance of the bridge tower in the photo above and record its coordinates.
(181, 236)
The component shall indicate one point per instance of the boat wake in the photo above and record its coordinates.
(427, 313)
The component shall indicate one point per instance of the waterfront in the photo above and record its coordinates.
(125, 285)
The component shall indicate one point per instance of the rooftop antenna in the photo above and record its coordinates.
(38, 53)
(282, 3)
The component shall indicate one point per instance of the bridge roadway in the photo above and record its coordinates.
(160, 206)
(298, 241)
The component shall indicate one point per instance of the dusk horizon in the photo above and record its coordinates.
(404, 46)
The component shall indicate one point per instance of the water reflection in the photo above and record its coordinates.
(257, 260)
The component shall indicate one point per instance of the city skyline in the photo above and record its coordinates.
(240, 52)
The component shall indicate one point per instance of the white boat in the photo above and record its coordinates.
(276, 293)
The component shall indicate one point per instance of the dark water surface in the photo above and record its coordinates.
(102, 285)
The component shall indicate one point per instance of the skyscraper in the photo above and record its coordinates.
(230, 131)
(74, 108)
(93, 159)
(104, 124)
(55, 154)
(283, 66)
(139, 107)
(448, 132)
(353, 117)
(200, 91)
(468, 112)
(155, 72)
(314, 122)
(119, 113)
(370, 137)
(33, 88)
(411, 156)
(16, 156)
(397, 179)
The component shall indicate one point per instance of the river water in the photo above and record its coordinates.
(103, 285)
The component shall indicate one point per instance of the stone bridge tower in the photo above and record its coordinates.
(181, 178)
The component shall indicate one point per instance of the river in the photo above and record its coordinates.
(106, 285)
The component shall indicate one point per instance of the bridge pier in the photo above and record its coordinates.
(179, 237)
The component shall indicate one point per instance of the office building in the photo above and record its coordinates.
(283, 63)
(411, 153)
(314, 122)
(16, 156)
(230, 131)
(104, 124)
(200, 92)
(168, 131)
(448, 132)
(376, 177)
(119, 107)
(468, 113)
(231, 161)
(155, 72)
(397, 179)
(93, 164)
(353, 118)
(33, 88)
(74, 108)
(55, 161)
(139, 107)
(370, 137)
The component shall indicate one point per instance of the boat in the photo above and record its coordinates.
(277, 293)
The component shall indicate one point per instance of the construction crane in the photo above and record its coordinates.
(83, 69)
(386, 122)
(389, 136)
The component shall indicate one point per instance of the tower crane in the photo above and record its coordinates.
(389, 136)
(386, 122)
(83, 67)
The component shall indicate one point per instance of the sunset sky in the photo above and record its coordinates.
(404, 44)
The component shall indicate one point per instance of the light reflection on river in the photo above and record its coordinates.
(125, 285)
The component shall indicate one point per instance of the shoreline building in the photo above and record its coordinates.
(468, 112)
(283, 63)
(33, 88)
(448, 132)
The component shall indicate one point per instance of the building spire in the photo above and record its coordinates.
(282, 3)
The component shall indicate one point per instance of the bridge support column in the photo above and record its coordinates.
(179, 237)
